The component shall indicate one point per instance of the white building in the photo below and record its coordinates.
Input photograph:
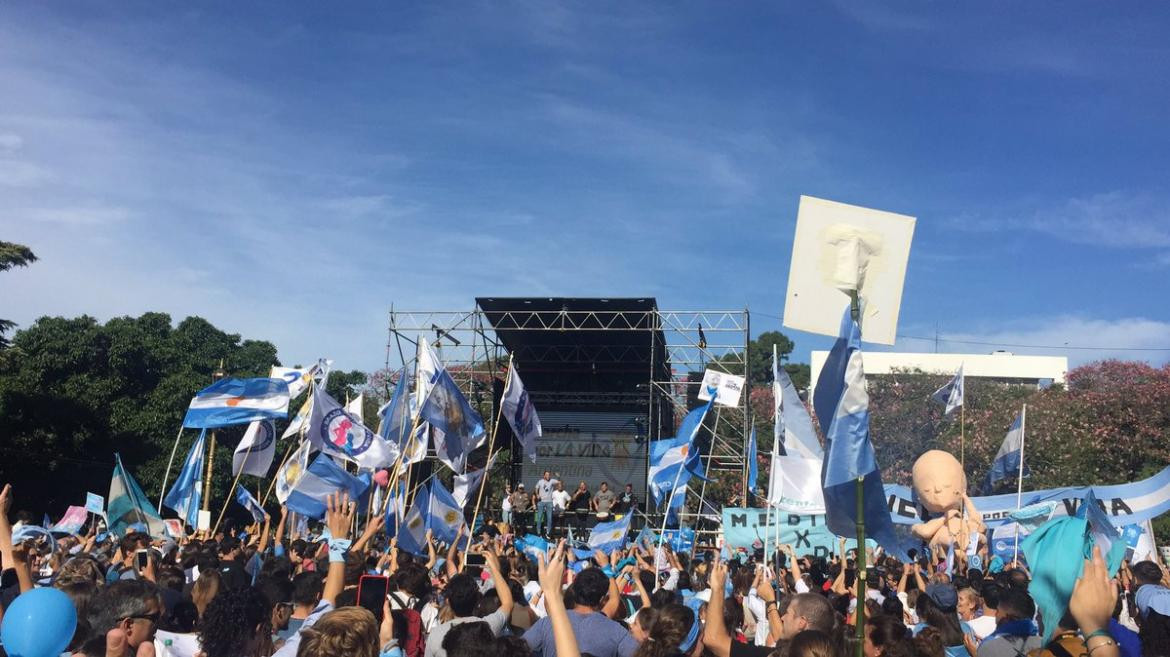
(1000, 365)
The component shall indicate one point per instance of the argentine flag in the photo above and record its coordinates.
(610, 536)
(433, 509)
(1010, 457)
(237, 401)
(323, 478)
(248, 502)
(128, 504)
(674, 460)
(447, 411)
(951, 394)
(187, 493)
(842, 407)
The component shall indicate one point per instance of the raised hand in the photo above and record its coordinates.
(339, 511)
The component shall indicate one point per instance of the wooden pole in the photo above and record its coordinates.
(235, 483)
(1020, 477)
(163, 491)
(491, 445)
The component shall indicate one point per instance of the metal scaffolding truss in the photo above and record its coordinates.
(468, 344)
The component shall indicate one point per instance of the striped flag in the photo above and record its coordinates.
(187, 493)
(237, 401)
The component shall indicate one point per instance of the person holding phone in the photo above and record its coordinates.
(463, 595)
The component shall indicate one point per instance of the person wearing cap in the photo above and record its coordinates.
(938, 608)
(520, 506)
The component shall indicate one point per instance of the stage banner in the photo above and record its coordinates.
(1127, 504)
(807, 534)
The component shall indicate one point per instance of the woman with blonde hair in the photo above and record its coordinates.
(350, 632)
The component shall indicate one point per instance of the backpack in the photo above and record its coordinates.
(413, 642)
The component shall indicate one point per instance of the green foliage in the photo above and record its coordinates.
(74, 391)
(12, 255)
(760, 358)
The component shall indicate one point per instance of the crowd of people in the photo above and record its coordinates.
(548, 507)
(258, 592)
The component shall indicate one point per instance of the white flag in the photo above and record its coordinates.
(354, 408)
(521, 415)
(336, 432)
(291, 472)
(794, 482)
(427, 368)
(467, 484)
(256, 449)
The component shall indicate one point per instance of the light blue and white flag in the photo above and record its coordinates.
(1104, 534)
(666, 466)
(426, 372)
(521, 415)
(256, 450)
(248, 502)
(531, 546)
(1010, 457)
(610, 536)
(842, 406)
(237, 401)
(674, 506)
(395, 509)
(951, 394)
(186, 495)
(949, 564)
(394, 418)
(433, 509)
(1031, 517)
(448, 411)
(128, 504)
(336, 432)
(321, 479)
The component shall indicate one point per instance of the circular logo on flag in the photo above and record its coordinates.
(345, 434)
(450, 517)
(265, 434)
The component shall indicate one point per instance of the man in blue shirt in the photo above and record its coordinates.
(596, 633)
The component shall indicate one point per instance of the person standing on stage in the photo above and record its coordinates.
(604, 499)
(506, 505)
(543, 493)
(561, 499)
(581, 503)
(520, 514)
(626, 502)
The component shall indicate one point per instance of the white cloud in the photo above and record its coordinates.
(14, 173)
(1115, 219)
(10, 143)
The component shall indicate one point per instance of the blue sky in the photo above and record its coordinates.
(290, 171)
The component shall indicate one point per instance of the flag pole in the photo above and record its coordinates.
(232, 490)
(859, 620)
(287, 454)
(483, 484)
(1020, 477)
(162, 492)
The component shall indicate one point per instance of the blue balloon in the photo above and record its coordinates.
(39, 623)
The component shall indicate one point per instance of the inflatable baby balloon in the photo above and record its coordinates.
(941, 487)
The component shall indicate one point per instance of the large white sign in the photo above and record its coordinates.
(838, 248)
(728, 387)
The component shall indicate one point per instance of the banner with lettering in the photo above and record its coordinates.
(807, 534)
(1127, 503)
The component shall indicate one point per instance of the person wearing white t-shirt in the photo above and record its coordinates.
(506, 506)
(561, 499)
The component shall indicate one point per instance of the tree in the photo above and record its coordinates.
(12, 255)
(75, 391)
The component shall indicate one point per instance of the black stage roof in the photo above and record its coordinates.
(572, 347)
